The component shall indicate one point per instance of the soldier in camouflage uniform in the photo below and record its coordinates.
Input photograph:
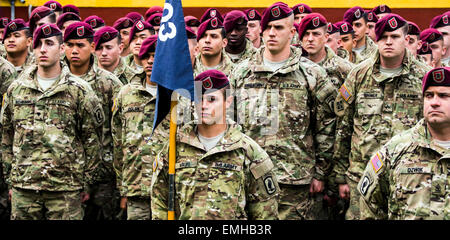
(139, 32)
(211, 43)
(435, 41)
(135, 148)
(414, 43)
(3, 23)
(238, 48)
(408, 178)
(380, 98)
(254, 27)
(124, 25)
(7, 75)
(313, 34)
(286, 107)
(78, 40)
(18, 39)
(442, 24)
(221, 174)
(108, 48)
(357, 17)
(347, 42)
(51, 136)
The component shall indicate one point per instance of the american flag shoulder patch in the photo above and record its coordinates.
(345, 93)
(376, 162)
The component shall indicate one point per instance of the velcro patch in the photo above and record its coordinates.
(99, 116)
(376, 162)
(260, 169)
(227, 166)
(365, 184)
(269, 185)
(344, 93)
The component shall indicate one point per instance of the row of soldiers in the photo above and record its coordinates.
(311, 104)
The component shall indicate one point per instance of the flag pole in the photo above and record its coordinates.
(172, 159)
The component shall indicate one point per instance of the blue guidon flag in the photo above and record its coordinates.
(172, 68)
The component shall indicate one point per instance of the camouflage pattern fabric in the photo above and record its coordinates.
(134, 147)
(247, 54)
(51, 140)
(30, 61)
(225, 66)
(138, 208)
(129, 61)
(124, 72)
(302, 205)
(232, 181)
(336, 67)
(7, 75)
(356, 57)
(407, 179)
(289, 114)
(29, 205)
(370, 50)
(373, 108)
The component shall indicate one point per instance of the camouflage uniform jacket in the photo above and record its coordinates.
(134, 146)
(345, 55)
(409, 179)
(336, 67)
(371, 49)
(226, 65)
(106, 86)
(232, 181)
(7, 73)
(129, 61)
(51, 140)
(124, 73)
(29, 61)
(247, 54)
(373, 108)
(289, 113)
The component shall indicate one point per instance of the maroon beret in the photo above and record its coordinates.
(37, 14)
(148, 46)
(344, 27)
(210, 24)
(78, 30)
(437, 77)
(135, 16)
(190, 33)
(332, 29)
(311, 21)
(139, 26)
(354, 14)
(413, 29)
(104, 34)
(233, 19)
(155, 19)
(253, 15)
(54, 5)
(153, 10)
(15, 25)
(389, 23)
(372, 17)
(68, 16)
(275, 12)
(301, 8)
(45, 31)
(212, 80)
(191, 21)
(425, 49)
(211, 13)
(122, 23)
(430, 35)
(440, 20)
(381, 9)
(71, 8)
(4, 21)
(95, 21)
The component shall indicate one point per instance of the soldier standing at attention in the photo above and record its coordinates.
(139, 32)
(284, 102)
(18, 40)
(357, 17)
(124, 25)
(435, 41)
(51, 136)
(442, 24)
(380, 98)
(211, 43)
(40, 16)
(254, 27)
(347, 42)
(414, 42)
(79, 45)
(3, 23)
(300, 11)
(135, 148)
(108, 47)
(372, 19)
(221, 173)
(238, 47)
(408, 178)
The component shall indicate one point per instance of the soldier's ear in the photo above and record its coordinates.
(92, 47)
(225, 42)
(29, 41)
(407, 39)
